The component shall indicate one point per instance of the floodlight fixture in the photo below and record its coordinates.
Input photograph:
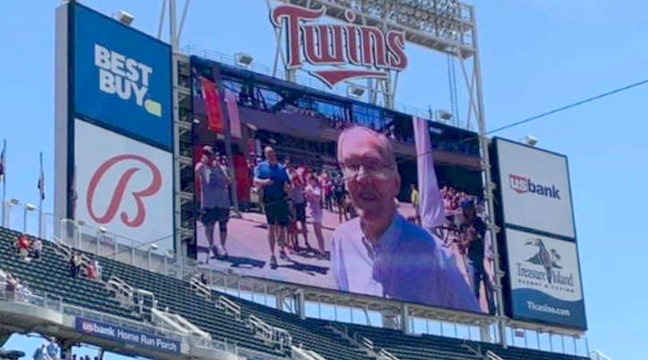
(14, 201)
(432, 24)
(103, 230)
(153, 247)
(530, 140)
(30, 207)
(356, 91)
(244, 59)
(444, 115)
(124, 17)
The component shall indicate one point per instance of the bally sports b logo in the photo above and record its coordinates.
(120, 190)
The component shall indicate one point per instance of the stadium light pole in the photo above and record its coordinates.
(27, 208)
(77, 237)
(10, 204)
(100, 233)
(151, 248)
(168, 254)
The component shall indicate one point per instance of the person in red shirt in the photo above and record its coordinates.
(91, 272)
(24, 245)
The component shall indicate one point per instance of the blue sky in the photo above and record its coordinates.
(536, 56)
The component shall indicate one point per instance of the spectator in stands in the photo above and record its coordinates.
(23, 294)
(380, 253)
(97, 269)
(75, 264)
(36, 249)
(215, 200)
(203, 279)
(71, 265)
(24, 244)
(11, 286)
(90, 271)
(274, 180)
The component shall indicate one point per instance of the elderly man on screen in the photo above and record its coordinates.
(379, 253)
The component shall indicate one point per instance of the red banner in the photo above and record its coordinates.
(213, 109)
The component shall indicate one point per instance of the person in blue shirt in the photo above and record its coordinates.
(380, 253)
(273, 179)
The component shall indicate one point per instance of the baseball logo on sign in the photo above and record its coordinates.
(120, 189)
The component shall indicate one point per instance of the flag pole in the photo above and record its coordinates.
(4, 183)
(40, 197)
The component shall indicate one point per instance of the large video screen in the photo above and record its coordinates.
(298, 186)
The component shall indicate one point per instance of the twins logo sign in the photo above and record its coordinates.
(368, 50)
(119, 193)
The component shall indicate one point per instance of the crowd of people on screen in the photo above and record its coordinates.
(302, 190)
(302, 194)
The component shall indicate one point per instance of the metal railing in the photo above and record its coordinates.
(42, 300)
(56, 303)
(270, 334)
(597, 355)
(201, 289)
(384, 354)
(84, 237)
(229, 306)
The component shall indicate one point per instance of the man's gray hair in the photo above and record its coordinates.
(386, 148)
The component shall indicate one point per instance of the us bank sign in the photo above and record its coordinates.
(348, 51)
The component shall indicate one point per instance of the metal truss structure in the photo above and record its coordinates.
(443, 26)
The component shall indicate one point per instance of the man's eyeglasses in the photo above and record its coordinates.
(375, 168)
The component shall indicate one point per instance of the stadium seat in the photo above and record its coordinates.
(51, 275)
